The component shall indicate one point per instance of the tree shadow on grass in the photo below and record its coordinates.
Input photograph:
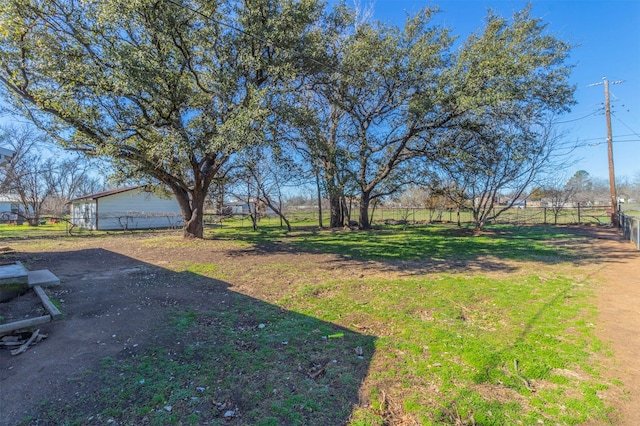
(425, 249)
(141, 344)
(541, 355)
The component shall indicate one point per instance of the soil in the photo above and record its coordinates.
(618, 303)
(106, 282)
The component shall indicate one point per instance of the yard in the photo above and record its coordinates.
(423, 325)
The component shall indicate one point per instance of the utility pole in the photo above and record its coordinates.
(612, 175)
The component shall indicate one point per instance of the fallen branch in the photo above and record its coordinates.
(316, 370)
(525, 381)
(10, 343)
(24, 347)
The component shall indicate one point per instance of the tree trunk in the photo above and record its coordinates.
(336, 210)
(346, 208)
(192, 209)
(277, 210)
(477, 219)
(319, 192)
(193, 228)
(365, 199)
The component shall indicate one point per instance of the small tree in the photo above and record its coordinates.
(31, 185)
(26, 173)
(581, 186)
(537, 194)
(484, 165)
(271, 173)
(558, 196)
(243, 187)
(69, 177)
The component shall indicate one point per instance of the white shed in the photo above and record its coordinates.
(125, 208)
(11, 209)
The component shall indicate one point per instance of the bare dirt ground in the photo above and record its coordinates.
(618, 302)
(106, 283)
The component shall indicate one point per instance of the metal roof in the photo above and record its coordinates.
(105, 193)
(9, 198)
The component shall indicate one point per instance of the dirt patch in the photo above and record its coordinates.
(22, 307)
(618, 302)
(108, 283)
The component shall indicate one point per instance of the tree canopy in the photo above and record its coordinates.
(169, 90)
(173, 91)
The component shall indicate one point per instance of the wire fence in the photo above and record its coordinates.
(131, 221)
(125, 221)
(599, 215)
(18, 226)
(630, 226)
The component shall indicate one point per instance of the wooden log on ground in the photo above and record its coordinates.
(24, 347)
(51, 308)
(17, 325)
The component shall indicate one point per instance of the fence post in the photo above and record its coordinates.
(579, 218)
(545, 215)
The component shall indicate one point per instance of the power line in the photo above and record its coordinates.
(615, 142)
(602, 138)
(625, 125)
(578, 119)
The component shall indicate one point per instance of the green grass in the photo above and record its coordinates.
(26, 231)
(435, 242)
(252, 360)
(437, 347)
(461, 333)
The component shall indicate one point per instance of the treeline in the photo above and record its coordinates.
(37, 179)
(211, 98)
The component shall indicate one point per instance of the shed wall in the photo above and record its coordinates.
(134, 209)
(83, 214)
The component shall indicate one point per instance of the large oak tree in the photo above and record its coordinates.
(169, 90)
(370, 109)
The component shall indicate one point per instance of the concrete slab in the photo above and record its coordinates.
(13, 273)
(14, 280)
(43, 278)
(49, 306)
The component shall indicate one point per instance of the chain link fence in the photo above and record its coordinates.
(598, 215)
(131, 221)
(630, 226)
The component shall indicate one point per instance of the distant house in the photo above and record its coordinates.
(10, 209)
(125, 208)
(237, 207)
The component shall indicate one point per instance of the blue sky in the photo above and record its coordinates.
(607, 39)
